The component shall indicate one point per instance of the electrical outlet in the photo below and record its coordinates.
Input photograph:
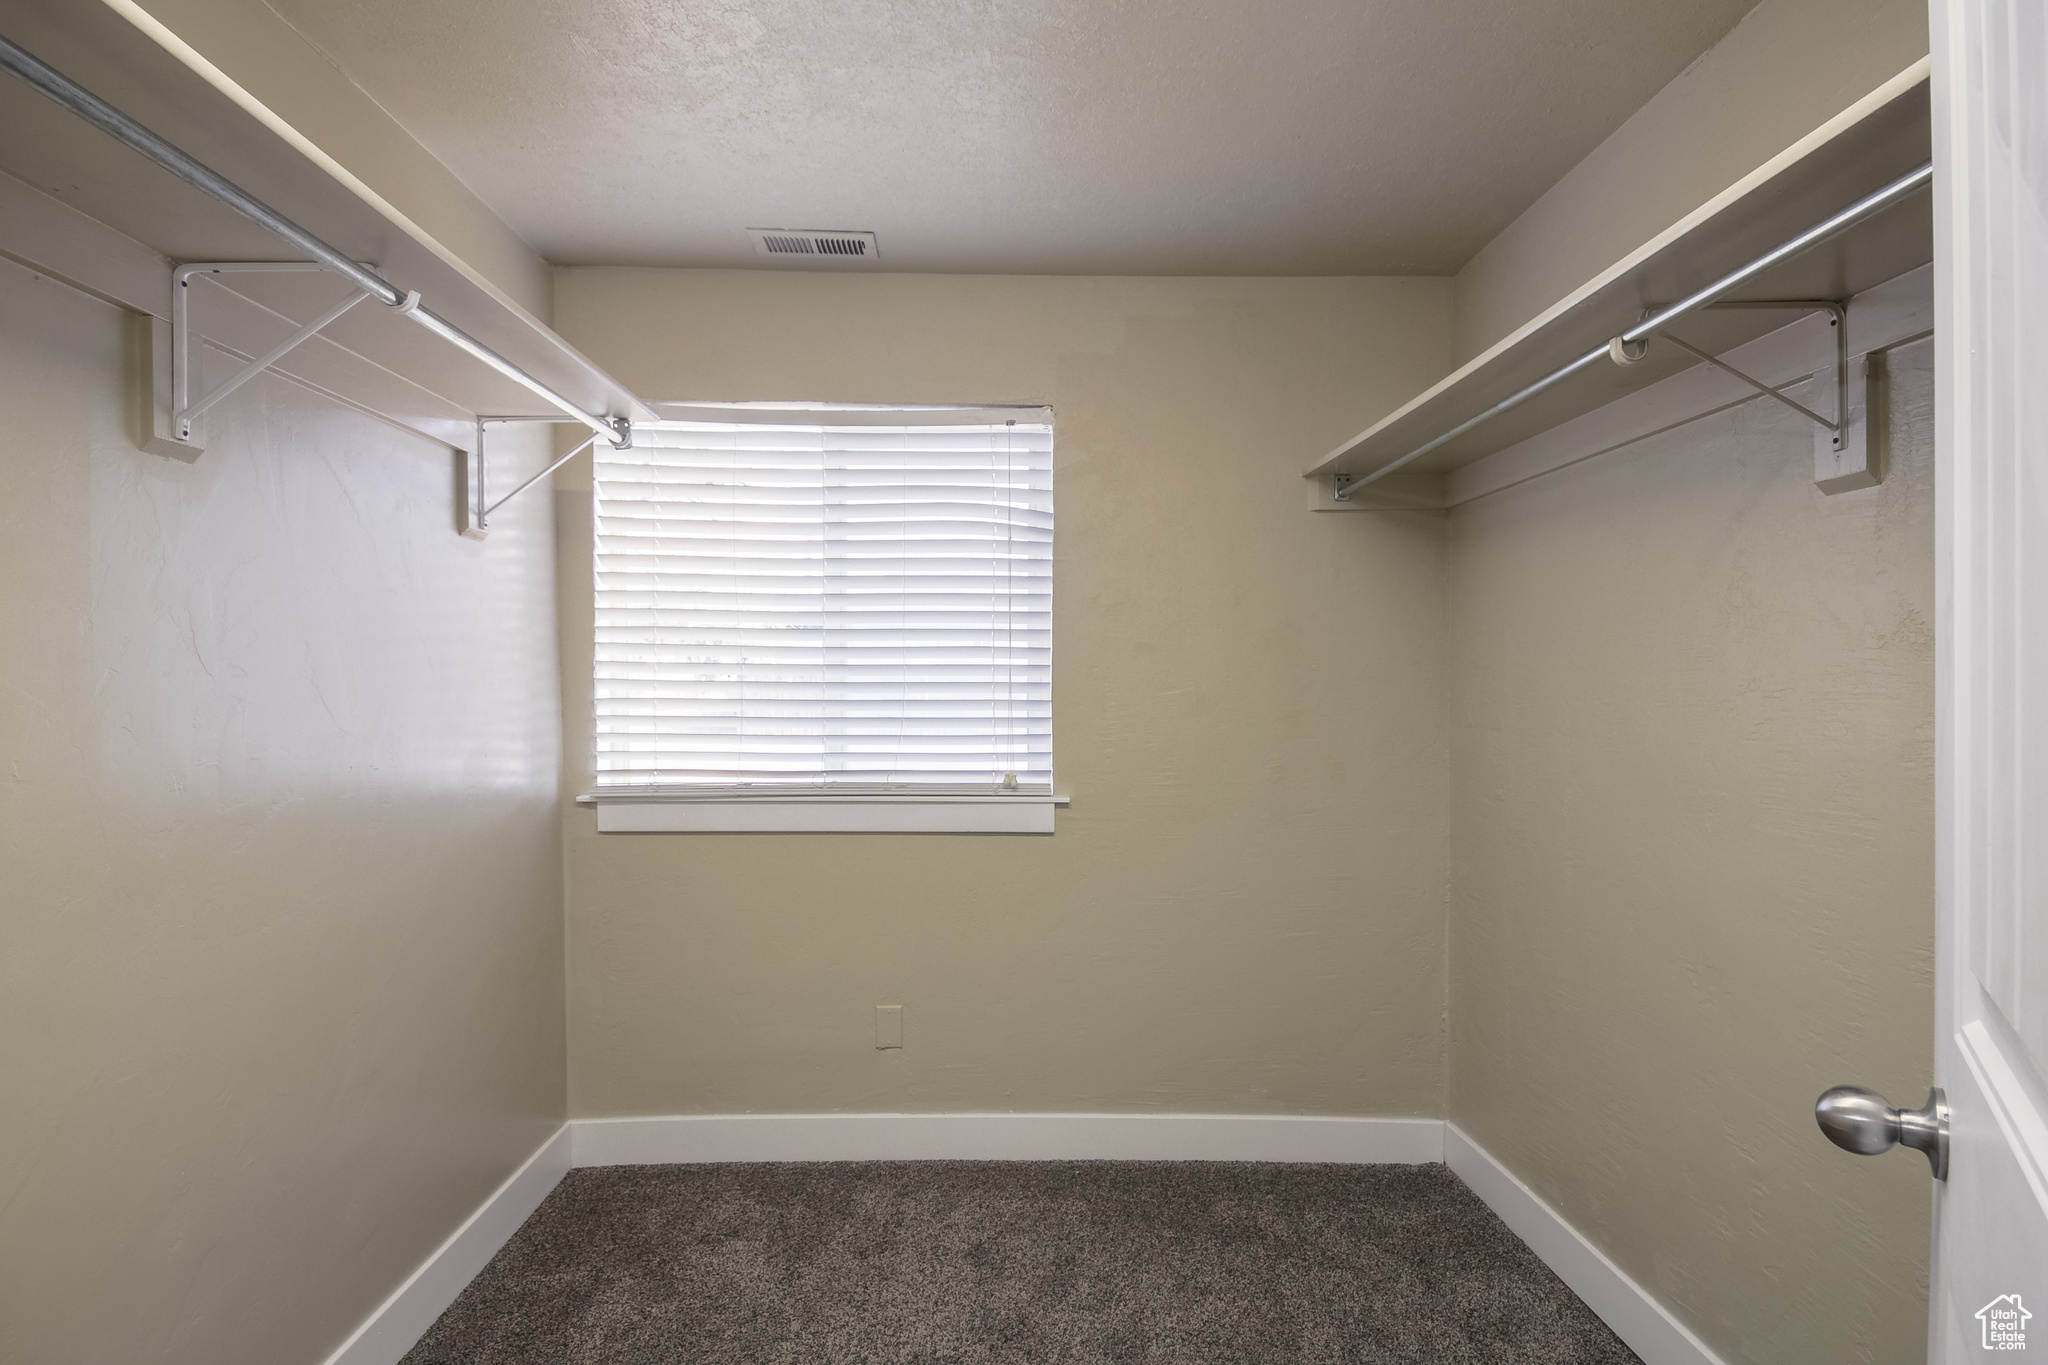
(888, 1026)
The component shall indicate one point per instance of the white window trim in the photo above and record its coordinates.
(814, 813)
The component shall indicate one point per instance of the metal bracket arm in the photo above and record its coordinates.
(1778, 393)
(1842, 458)
(184, 410)
(476, 511)
(1838, 320)
(1845, 453)
(484, 518)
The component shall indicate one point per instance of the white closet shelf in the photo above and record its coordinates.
(53, 152)
(1877, 140)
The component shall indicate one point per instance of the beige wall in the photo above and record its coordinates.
(1693, 840)
(1243, 909)
(1788, 67)
(280, 955)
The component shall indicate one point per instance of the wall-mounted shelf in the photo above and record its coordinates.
(1874, 143)
(409, 374)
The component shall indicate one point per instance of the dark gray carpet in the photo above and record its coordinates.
(953, 1262)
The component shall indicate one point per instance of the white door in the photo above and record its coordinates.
(1990, 1287)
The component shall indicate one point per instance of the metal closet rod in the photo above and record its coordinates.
(119, 126)
(1812, 237)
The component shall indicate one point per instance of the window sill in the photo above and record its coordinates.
(811, 814)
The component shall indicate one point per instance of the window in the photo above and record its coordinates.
(808, 607)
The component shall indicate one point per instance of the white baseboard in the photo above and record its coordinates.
(1002, 1137)
(1644, 1324)
(1637, 1318)
(401, 1320)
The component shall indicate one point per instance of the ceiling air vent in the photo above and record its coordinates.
(807, 244)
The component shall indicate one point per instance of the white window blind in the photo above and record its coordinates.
(846, 602)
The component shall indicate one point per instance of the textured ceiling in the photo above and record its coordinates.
(1071, 136)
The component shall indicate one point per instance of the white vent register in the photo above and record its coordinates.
(811, 244)
(826, 618)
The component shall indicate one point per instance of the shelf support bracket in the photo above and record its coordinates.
(1403, 493)
(1844, 456)
(185, 413)
(476, 509)
(1778, 393)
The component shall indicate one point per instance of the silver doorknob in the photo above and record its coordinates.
(1864, 1122)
